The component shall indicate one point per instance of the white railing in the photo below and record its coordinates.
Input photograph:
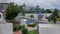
(49, 28)
(6, 28)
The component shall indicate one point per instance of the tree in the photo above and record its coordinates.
(12, 11)
(23, 12)
(48, 11)
(54, 16)
(31, 16)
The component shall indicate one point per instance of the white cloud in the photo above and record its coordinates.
(42, 3)
(4, 1)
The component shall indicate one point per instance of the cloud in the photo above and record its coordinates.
(42, 3)
(4, 1)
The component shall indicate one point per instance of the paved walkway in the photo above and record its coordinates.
(31, 28)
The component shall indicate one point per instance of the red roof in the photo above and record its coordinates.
(2, 10)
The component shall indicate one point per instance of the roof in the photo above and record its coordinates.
(4, 3)
(2, 10)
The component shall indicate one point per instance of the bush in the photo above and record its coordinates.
(24, 31)
(16, 27)
(31, 16)
(32, 25)
(23, 26)
(58, 19)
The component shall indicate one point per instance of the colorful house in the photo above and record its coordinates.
(2, 9)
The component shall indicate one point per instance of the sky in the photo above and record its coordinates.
(47, 4)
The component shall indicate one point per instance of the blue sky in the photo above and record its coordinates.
(42, 3)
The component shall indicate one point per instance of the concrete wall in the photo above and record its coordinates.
(47, 15)
(49, 28)
(28, 16)
(6, 28)
(36, 15)
(23, 22)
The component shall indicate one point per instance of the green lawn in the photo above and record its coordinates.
(33, 32)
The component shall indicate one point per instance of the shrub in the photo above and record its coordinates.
(31, 16)
(24, 31)
(32, 25)
(23, 26)
(16, 27)
(58, 19)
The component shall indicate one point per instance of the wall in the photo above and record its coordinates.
(36, 15)
(49, 28)
(28, 16)
(6, 28)
(47, 15)
(23, 22)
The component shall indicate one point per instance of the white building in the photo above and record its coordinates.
(1, 15)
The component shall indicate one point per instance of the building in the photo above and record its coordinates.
(2, 9)
(3, 6)
(32, 9)
(1, 15)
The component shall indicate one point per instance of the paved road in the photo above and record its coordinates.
(42, 21)
(46, 22)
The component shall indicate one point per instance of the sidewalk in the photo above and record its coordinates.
(31, 28)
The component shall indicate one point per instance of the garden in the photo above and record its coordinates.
(17, 29)
(33, 31)
(31, 25)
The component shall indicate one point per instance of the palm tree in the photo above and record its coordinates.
(23, 12)
(54, 16)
